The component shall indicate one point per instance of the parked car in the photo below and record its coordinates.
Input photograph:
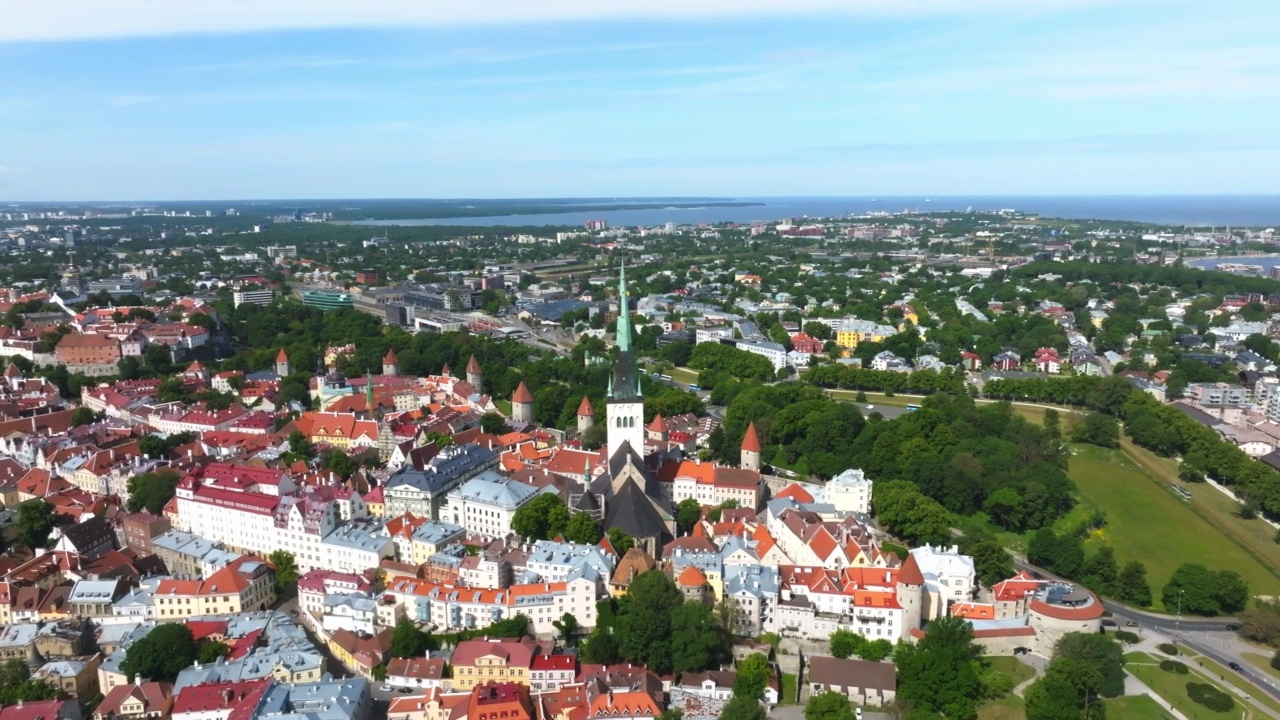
(1235, 666)
(385, 688)
(1108, 623)
(1132, 623)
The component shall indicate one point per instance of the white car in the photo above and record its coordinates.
(857, 713)
(385, 688)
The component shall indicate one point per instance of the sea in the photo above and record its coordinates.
(1175, 210)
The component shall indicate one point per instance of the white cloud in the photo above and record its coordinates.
(83, 19)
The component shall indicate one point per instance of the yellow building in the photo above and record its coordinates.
(476, 662)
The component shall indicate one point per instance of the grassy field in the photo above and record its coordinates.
(1135, 707)
(787, 692)
(1256, 536)
(684, 375)
(1010, 707)
(1013, 667)
(1263, 663)
(1172, 687)
(1147, 522)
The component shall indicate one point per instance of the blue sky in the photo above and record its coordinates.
(116, 99)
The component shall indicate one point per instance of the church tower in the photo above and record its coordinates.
(282, 364)
(391, 363)
(625, 404)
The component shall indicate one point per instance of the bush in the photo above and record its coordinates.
(1127, 637)
(1275, 661)
(1173, 666)
(860, 397)
(1210, 697)
(1167, 648)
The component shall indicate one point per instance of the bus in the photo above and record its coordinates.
(694, 388)
(912, 407)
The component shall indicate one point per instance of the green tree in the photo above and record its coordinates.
(845, 643)
(688, 512)
(644, 631)
(567, 626)
(161, 654)
(152, 491)
(1101, 573)
(286, 568)
(940, 672)
(16, 685)
(36, 519)
(991, 562)
(83, 416)
(408, 641)
(698, 640)
(1062, 694)
(1196, 590)
(620, 541)
(1132, 586)
(876, 650)
(339, 463)
(1097, 429)
(752, 677)
(582, 529)
(542, 518)
(299, 445)
(211, 651)
(1100, 652)
(493, 424)
(828, 706)
(741, 708)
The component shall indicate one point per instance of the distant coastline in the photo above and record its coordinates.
(1166, 210)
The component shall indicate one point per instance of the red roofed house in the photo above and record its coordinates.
(476, 661)
(134, 702)
(551, 672)
(500, 701)
(710, 484)
(415, 672)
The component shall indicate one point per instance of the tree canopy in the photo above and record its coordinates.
(542, 518)
(940, 672)
(161, 654)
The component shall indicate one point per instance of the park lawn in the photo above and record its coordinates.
(1134, 707)
(1147, 522)
(1009, 707)
(1172, 687)
(684, 375)
(1255, 535)
(504, 406)
(1013, 667)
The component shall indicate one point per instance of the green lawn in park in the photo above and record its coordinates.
(1147, 522)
